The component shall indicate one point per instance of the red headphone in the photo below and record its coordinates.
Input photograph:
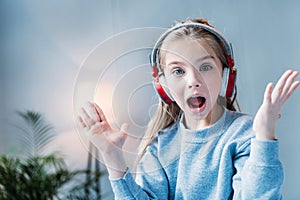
(229, 73)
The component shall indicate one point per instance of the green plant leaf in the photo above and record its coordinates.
(36, 134)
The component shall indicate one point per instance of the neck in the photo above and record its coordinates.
(213, 116)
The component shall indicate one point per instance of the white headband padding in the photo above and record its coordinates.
(225, 77)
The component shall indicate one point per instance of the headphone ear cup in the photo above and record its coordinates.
(231, 82)
(162, 90)
(228, 82)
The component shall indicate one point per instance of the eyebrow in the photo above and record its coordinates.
(205, 57)
(198, 60)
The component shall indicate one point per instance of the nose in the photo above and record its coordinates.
(194, 79)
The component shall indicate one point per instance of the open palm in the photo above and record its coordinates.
(108, 140)
(274, 97)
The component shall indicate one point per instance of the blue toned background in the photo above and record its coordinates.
(43, 44)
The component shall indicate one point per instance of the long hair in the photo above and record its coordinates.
(168, 114)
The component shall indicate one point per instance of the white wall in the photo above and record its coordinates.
(44, 43)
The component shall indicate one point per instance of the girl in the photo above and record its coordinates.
(199, 146)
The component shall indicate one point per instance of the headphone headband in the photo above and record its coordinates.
(227, 45)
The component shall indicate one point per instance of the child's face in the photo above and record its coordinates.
(193, 74)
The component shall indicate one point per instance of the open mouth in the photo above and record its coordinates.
(196, 102)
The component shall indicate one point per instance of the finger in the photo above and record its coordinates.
(94, 114)
(124, 132)
(125, 128)
(280, 85)
(268, 93)
(289, 83)
(101, 115)
(100, 112)
(81, 122)
(292, 89)
(86, 118)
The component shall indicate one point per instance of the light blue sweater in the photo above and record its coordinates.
(214, 163)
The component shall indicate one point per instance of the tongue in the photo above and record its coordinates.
(196, 102)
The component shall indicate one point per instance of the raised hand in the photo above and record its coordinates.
(269, 112)
(109, 141)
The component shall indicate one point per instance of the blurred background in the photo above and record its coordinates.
(55, 55)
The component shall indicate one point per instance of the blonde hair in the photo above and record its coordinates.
(168, 114)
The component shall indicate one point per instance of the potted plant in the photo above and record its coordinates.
(34, 175)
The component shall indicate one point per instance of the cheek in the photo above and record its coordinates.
(217, 85)
(175, 88)
(214, 86)
(176, 91)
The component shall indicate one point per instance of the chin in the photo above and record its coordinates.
(198, 113)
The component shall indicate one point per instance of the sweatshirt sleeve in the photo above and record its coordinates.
(261, 174)
(126, 188)
(150, 182)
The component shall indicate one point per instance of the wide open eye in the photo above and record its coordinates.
(205, 68)
(178, 72)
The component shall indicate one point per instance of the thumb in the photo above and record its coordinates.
(124, 128)
(123, 133)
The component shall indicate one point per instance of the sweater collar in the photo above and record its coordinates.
(205, 134)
